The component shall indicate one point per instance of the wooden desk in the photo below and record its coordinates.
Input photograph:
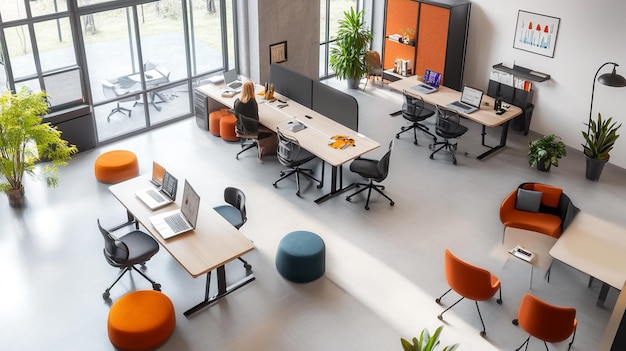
(596, 247)
(486, 115)
(210, 246)
(314, 138)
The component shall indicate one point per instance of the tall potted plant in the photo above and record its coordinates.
(600, 139)
(24, 140)
(545, 152)
(347, 56)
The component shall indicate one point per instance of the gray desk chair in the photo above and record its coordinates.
(375, 171)
(414, 111)
(448, 127)
(235, 213)
(291, 155)
(127, 251)
(112, 91)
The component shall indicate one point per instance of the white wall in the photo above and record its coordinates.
(590, 34)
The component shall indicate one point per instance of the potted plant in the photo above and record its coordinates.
(407, 34)
(24, 140)
(426, 342)
(599, 138)
(545, 152)
(347, 56)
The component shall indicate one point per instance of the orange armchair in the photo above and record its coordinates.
(546, 322)
(470, 282)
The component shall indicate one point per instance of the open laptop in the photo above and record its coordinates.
(231, 79)
(158, 172)
(164, 195)
(432, 80)
(179, 221)
(470, 100)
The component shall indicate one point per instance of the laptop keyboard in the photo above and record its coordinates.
(459, 104)
(176, 223)
(156, 196)
(235, 85)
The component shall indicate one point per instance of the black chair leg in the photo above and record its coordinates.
(369, 186)
(246, 265)
(483, 333)
(526, 342)
(247, 147)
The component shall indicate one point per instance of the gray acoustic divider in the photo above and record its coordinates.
(291, 84)
(336, 105)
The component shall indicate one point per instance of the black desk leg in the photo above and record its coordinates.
(503, 135)
(334, 191)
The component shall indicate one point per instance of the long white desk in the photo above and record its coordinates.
(314, 138)
(209, 247)
(486, 115)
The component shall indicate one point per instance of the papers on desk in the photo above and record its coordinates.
(340, 142)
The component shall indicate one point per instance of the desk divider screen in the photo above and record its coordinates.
(292, 84)
(336, 105)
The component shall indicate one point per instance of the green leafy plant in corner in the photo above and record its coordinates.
(347, 56)
(548, 150)
(600, 138)
(426, 342)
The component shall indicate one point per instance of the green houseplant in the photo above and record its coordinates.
(25, 140)
(347, 56)
(545, 152)
(426, 342)
(600, 139)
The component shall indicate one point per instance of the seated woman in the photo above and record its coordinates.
(245, 107)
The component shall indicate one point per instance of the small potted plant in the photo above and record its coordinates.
(347, 56)
(545, 152)
(426, 342)
(600, 139)
(407, 34)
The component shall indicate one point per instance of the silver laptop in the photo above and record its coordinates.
(158, 172)
(156, 198)
(470, 100)
(432, 80)
(172, 223)
(231, 79)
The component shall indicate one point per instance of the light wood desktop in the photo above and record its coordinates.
(314, 138)
(209, 247)
(595, 247)
(486, 115)
(537, 243)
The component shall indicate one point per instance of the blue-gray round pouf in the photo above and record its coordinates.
(301, 256)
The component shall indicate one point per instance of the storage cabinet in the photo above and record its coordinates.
(201, 109)
(76, 126)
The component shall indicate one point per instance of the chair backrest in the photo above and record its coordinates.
(372, 59)
(412, 106)
(288, 149)
(115, 251)
(467, 280)
(383, 164)
(545, 321)
(246, 127)
(108, 89)
(164, 71)
(237, 199)
(447, 120)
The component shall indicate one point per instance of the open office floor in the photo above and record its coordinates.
(384, 266)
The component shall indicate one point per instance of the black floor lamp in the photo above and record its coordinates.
(610, 79)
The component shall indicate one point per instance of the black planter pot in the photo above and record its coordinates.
(541, 166)
(594, 168)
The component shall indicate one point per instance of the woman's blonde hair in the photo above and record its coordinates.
(247, 92)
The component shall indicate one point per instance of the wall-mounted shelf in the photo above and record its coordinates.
(522, 72)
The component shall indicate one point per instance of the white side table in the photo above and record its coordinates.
(537, 243)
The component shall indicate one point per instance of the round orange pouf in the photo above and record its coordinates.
(227, 127)
(115, 166)
(141, 320)
(214, 120)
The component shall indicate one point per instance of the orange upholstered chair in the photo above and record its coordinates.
(546, 322)
(470, 282)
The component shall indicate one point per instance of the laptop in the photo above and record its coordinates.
(158, 172)
(164, 195)
(432, 80)
(179, 221)
(231, 79)
(470, 100)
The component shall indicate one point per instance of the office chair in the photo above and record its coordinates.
(470, 282)
(374, 67)
(545, 322)
(448, 127)
(291, 155)
(111, 91)
(235, 213)
(413, 110)
(375, 171)
(127, 251)
(247, 130)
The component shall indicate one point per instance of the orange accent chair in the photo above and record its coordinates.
(538, 207)
(545, 322)
(470, 282)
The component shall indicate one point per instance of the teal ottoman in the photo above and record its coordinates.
(301, 257)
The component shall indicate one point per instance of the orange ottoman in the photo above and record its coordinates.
(115, 166)
(214, 121)
(141, 320)
(227, 127)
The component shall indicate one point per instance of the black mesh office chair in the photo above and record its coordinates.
(247, 129)
(127, 251)
(413, 110)
(375, 171)
(291, 155)
(234, 213)
(448, 127)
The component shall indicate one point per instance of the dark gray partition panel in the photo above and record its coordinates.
(291, 84)
(335, 104)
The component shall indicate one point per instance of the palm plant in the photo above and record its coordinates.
(347, 56)
(426, 342)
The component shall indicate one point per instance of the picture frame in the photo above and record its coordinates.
(536, 33)
(278, 52)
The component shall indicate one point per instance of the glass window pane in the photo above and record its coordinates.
(63, 87)
(206, 36)
(33, 85)
(12, 10)
(92, 2)
(20, 51)
(46, 7)
(55, 44)
(337, 7)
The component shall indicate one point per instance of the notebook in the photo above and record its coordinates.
(179, 221)
(432, 80)
(470, 100)
(231, 79)
(158, 172)
(156, 198)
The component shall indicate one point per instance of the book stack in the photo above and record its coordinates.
(510, 79)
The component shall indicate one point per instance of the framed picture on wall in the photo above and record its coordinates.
(278, 52)
(536, 33)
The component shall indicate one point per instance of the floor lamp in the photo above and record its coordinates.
(610, 79)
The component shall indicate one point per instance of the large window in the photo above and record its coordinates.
(331, 11)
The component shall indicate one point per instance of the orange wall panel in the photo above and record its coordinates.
(401, 14)
(432, 39)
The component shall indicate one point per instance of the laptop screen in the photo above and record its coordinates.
(169, 186)
(158, 172)
(471, 96)
(230, 76)
(190, 205)
(432, 78)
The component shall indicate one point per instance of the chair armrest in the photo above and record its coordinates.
(508, 205)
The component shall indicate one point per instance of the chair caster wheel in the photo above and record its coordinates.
(397, 136)
(319, 186)
(438, 300)
(454, 162)
(415, 143)
(156, 286)
(515, 322)
(367, 208)
(440, 317)
(298, 193)
(282, 174)
(403, 128)
(348, 198)
(499, 301)
(392, 203)
(106, 295)
(432, 157)
(483, 334)
(275, 185)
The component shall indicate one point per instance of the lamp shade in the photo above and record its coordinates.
(612, 79)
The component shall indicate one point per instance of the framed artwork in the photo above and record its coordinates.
(536, 33)
(278, 52)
